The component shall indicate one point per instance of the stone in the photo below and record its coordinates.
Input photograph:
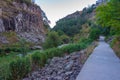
(2, 28)
(68, 73)
(24, 6)
(60, 68)
(0, 11)
(69, 66)
(36, 47)
(3, 40)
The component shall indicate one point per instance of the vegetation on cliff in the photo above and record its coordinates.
(72, 23)
(108, 15)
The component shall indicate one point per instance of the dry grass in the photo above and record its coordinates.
(116, 48)
(11, 37)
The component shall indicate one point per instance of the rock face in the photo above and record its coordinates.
(59, 68)
(25, 20)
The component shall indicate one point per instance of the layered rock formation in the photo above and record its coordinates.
(24, 19)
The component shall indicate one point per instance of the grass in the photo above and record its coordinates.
(8, 58)
(9, 65)
(4, 62)
(115, 44)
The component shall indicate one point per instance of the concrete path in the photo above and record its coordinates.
(103, 64)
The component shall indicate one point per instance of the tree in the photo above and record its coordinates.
(65, 39)
(94, 33)
(52, 40)
(108, 15)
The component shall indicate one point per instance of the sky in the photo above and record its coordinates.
(57, 9)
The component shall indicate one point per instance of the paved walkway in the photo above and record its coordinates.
(103, 64)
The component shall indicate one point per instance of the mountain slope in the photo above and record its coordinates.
(72, 23)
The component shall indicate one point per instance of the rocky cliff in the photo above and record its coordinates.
(23, 19)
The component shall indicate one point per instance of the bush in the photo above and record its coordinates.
(65, 39)
(36, 59)
(19, 68)
(53, 40)
(16, 70)
(4, 72)
(71, 48)
(1, 52)
(94, 33)
(53, 52)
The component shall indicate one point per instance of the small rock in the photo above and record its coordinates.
(68, 73)
(69, 66)
(60, 68)
(36, 47)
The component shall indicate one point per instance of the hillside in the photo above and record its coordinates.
(31, 50)
(21, 19)
(72, 23)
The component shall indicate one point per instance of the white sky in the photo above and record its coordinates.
(57, 9)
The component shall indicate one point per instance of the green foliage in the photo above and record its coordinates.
(82, 44)
(23, 46)
(4, 72)
(13, 68)
(71, 48)
(2, 52)
(19, 68)
(38, 59)
(65, 39)
(109, 15)
(69, 26)
(53, 40)
(94, 33)
(88, 10)
(72, 24)
(115, 44)
(4, 65)
(60, 33)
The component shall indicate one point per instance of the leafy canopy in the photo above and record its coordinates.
(109, 14)
(52, 40)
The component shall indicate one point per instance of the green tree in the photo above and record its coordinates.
(52, 40)
(109, 15)
(65, 39)
(94, 33)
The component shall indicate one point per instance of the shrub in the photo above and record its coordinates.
(4, 72)
(16, 70)
(82, 44)
(94, 33)
(71, 48)
(39, 59)
(36, 60)
(65, 39)
(53, 52)
(19, 68)
(53, 40)
(1, 52)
